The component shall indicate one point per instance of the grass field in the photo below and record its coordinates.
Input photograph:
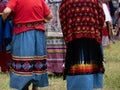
(111, 76)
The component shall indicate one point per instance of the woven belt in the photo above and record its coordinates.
(29, 25)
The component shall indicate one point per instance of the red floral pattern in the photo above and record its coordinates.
(81, 18)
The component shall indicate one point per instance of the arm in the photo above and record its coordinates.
(46, 11)
(48, 17)
(6, 13)
(1, 13)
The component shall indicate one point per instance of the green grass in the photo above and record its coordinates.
(112, 73)
(111, 76)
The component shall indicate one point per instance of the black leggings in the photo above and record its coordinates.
(27, 86)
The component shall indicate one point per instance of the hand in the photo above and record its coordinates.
(6, 13)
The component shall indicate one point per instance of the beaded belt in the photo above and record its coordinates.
(29, 25)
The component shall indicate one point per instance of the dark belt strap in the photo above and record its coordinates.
(28, 25)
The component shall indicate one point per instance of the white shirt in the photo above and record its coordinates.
(107, 13)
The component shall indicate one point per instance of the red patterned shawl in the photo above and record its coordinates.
(81, 18)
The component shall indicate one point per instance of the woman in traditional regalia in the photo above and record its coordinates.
(55, 43)
(5, 55)
(117, 15)
(82, 23)
(28, 64)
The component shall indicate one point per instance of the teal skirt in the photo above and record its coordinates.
(28, 62)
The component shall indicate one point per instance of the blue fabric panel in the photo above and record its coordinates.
(1, 34)
(8, 29)
(30, 43)
(84, 82)
(18, 81)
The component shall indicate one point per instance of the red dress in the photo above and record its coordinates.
(4, 55)
(105, 31)
(105, 38)
(4, 59)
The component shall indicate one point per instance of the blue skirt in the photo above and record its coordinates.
(28, 59)
(84, 82)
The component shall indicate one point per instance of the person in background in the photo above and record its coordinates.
(5, 56)
(82, 23)
(109, 20)
(106, 28)
(117, 15)
(112, 7)
(28, 64)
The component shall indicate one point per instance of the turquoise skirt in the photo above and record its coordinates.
(28, 62)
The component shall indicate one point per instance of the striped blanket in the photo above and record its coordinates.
(56, 50)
